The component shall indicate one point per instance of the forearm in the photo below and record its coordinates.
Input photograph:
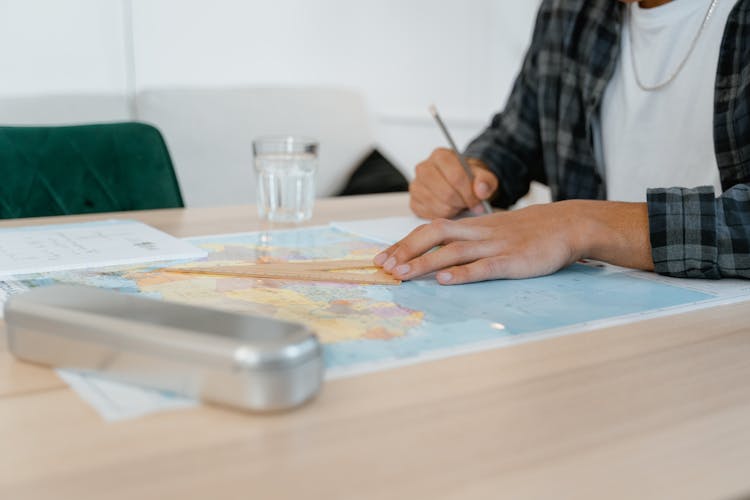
(613, 232)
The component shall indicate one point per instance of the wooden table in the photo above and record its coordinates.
(658, 409)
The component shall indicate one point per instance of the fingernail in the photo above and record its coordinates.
(483, 190)
(403, 269)
(444, 277)
(478, 210)
(380, 258)
(389, 264)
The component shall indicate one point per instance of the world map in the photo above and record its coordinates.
(371, 326)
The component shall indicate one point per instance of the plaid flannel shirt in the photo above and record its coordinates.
(545, 134)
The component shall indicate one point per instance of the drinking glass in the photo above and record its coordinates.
(285, 173)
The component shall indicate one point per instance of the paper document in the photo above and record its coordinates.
(116, 401)
(39, 249)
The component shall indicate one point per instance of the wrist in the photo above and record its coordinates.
(614, 232)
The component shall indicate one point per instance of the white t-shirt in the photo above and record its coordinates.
(662, 138)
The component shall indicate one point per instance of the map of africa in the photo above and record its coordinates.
(368, 326)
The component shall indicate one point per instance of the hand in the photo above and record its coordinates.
(441, 188)
(533, 241)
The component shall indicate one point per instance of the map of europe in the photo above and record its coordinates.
(368, 326)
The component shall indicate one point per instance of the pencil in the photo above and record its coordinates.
(461, 159)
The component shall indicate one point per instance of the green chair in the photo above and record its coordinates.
(84, 169)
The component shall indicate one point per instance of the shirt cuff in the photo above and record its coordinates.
(682, 225)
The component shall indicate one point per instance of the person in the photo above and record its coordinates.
(616, 101)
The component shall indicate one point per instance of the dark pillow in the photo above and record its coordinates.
(375, 174)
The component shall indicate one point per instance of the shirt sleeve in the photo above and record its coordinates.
(511, 145)
(696, 235)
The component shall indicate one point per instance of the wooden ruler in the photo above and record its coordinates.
(321, 270)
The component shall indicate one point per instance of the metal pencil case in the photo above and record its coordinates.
(234, 359)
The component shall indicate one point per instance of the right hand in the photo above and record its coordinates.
(441, 188)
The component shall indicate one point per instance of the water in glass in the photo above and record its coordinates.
(286, 186)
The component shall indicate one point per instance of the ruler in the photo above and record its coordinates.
(320, 270)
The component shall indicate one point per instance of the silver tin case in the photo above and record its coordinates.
(244, 361)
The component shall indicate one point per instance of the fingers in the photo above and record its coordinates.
(383, 256)
(485, 183)
(469, 253)
(452, 254)
(425, 202)
(450, 168)
(441, 188)
(481, 270)
(423, 239)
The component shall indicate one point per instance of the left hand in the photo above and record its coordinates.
(530, 242)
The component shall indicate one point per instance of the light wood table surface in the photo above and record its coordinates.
(658, 409)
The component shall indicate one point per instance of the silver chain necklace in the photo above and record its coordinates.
(649, 88)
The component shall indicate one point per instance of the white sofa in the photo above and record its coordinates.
(210, 134)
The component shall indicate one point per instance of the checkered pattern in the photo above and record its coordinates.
(545, 134)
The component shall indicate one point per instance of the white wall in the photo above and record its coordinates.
(402, 55)
(53, 46)
(74, 48)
